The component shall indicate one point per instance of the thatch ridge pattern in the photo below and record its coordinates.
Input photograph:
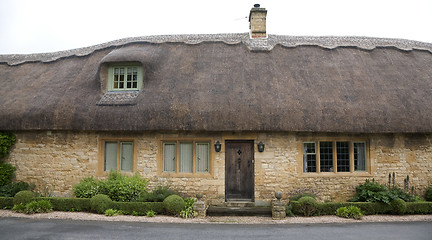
(327, 42)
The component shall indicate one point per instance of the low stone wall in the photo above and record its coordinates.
(55, 161)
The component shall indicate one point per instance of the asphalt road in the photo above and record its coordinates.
(22, 228)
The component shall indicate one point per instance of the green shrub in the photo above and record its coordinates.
(123, 188)
(7, 140)
(428, 196)
(19, 208)
(150, 213)
(307, 206)
(6, 202)
(303, 194)
(6, 173)
(112, 212)
(398, 206)
(372, 191)
(69, 204)
(349, 212)
(188, 211)
(87, 188)
(288, 211)
(9, 190)
(100, 203)
(23, 197)
(157, 195)
(140, 208)
(118, 187)
(42, 206)
(174, 204)
(419, 208)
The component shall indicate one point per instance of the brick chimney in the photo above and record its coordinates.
(257, 22)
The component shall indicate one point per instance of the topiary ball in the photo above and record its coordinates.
(173, 204)
(23, 197)
(399, 206)
(100, 203)
(308, 206)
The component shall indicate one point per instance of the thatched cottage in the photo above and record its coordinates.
(234, 116)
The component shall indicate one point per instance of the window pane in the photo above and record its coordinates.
(326, 156)
(169, 157)
(359, 156)
(343, 159)
(186, 155)
(309, 157)
(110, 156)
(202, 157)
(126, 159)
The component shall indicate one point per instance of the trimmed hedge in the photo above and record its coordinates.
(368, 208)
(138, 208)
(69, 204)
(6, 202)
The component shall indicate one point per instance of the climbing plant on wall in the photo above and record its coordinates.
(7, 140)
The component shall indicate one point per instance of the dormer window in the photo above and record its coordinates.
(125, 78)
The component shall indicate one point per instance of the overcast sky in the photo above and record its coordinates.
(32, 26)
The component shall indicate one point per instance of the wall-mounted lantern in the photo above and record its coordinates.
(261, 146)
(218, 146)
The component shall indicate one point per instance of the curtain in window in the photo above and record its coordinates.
(110, 156)
(305, 148)
(186, 155)
(202, 157)
(126, 158)
(360, 156)
(169, 157)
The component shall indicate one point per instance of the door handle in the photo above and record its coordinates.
(239, 164)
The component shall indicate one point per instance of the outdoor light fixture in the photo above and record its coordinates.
(218, 146)
(261, 147)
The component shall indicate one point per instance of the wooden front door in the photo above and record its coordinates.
(239, 170)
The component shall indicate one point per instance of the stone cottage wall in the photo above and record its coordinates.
(55, 161)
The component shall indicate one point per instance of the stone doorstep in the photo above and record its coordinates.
(239, 208)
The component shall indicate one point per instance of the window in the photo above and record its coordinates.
(186, 157)
(124, 78)
(118, 156)
(334, 156)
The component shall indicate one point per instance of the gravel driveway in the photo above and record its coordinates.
(233, 220)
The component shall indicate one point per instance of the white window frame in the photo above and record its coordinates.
(111, 86)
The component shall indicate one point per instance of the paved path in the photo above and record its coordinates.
(22, 228)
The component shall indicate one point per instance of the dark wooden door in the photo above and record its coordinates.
(239, 170)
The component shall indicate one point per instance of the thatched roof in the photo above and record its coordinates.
(226, 83)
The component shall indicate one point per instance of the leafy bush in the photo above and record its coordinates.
(100, 203)
(9, 190)
(42, 206)
(23, 197)
(112, 212)
(123, 188)
(418, 208)
(150, 213)
(349, 212)
(157, 195)
(188, 211)
(7, 140)
(118, 187)
(302, 194)
(87, 188)
(140, 208)
(6, 173)
(19, 208)
(174, 204)
(372, 191)
(288, 211)
(6, 202)
(69, 204)
(399, 206)
(307, 206)
(428, 196)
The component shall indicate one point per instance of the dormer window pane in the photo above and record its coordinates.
(125, 78)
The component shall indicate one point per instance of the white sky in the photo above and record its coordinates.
(31, 26)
